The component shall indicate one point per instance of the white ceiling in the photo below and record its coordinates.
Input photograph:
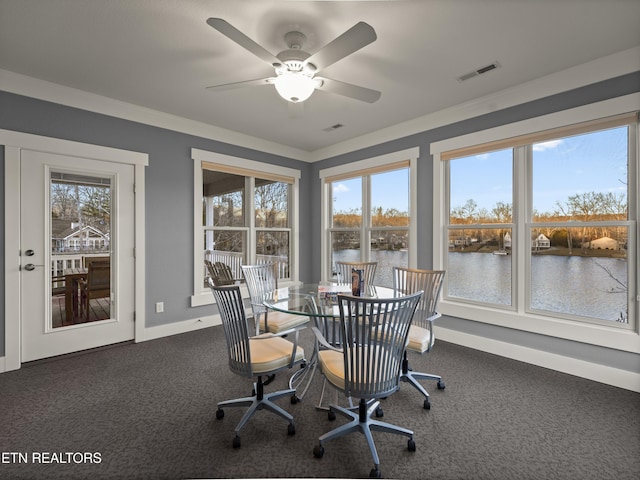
(161, 54)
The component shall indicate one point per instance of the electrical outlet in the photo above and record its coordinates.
(159, 307)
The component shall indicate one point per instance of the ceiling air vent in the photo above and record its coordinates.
(479, 71)
(333, 127)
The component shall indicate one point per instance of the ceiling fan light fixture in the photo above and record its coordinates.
(294, 86)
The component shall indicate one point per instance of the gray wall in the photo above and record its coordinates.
(169, 198)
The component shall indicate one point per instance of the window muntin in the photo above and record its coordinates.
(582, 179)
(381, 234)
(575, 190)
(480, 231)
(245, 219)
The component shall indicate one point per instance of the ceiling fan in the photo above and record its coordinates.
(295, 69)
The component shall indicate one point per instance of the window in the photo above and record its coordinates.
(244, 215)
(542, 224)
(368, 207)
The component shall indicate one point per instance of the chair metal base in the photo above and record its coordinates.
(258, 401)
(362, 421)
(411, 377)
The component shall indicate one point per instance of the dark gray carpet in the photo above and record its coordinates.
(148, 411)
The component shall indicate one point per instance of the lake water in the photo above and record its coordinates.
(386, 259)
(583, 286)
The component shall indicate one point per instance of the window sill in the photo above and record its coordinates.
(615, 338)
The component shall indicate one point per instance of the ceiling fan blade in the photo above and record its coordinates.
(247, 83)
(241, 39)
(348, 90)
(358, 36)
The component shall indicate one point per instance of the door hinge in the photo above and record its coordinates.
(135, 188)
(134, 315)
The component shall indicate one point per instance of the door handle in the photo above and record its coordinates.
(30, 266)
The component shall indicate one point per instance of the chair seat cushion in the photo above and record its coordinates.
(279, 321)
(419, 339)
(271, 353)
(332, 365)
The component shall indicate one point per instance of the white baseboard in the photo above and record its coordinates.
(3, 366)
(176, 328)
(580, 368)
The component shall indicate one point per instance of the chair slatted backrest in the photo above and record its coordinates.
(236, 330)
(261, 281)
(410, 280)
(374, 333)
(343, 271)
(99, 277)
(225, 275)
(220, 273)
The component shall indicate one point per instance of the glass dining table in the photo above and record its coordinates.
(319, 302)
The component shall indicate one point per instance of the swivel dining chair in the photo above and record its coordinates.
(374, 333)
(343, 271)
(262, 281)
(255, 356)
(421, 334)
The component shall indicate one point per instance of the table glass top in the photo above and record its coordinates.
(317, 300)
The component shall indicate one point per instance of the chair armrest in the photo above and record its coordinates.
(430, 322)
(323, 341)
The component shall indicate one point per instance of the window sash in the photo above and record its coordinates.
(251, 170)
(522, 151)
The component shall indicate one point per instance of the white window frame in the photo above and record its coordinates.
(412, 155)
(202, 295)
(520, 319)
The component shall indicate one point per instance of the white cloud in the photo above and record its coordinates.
(340, 188)
(541, 147)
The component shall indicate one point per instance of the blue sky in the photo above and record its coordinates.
(584, 163)
(390, 190)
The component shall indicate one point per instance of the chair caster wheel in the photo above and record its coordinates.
(318, 451)
(426, 405)
(294, 399)
(331, 415)
(379, 412)
(411, 445)
(219, 414)
(440, 385)
(303, 365)
(291, 429)
(236, 442)
(375, 473)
